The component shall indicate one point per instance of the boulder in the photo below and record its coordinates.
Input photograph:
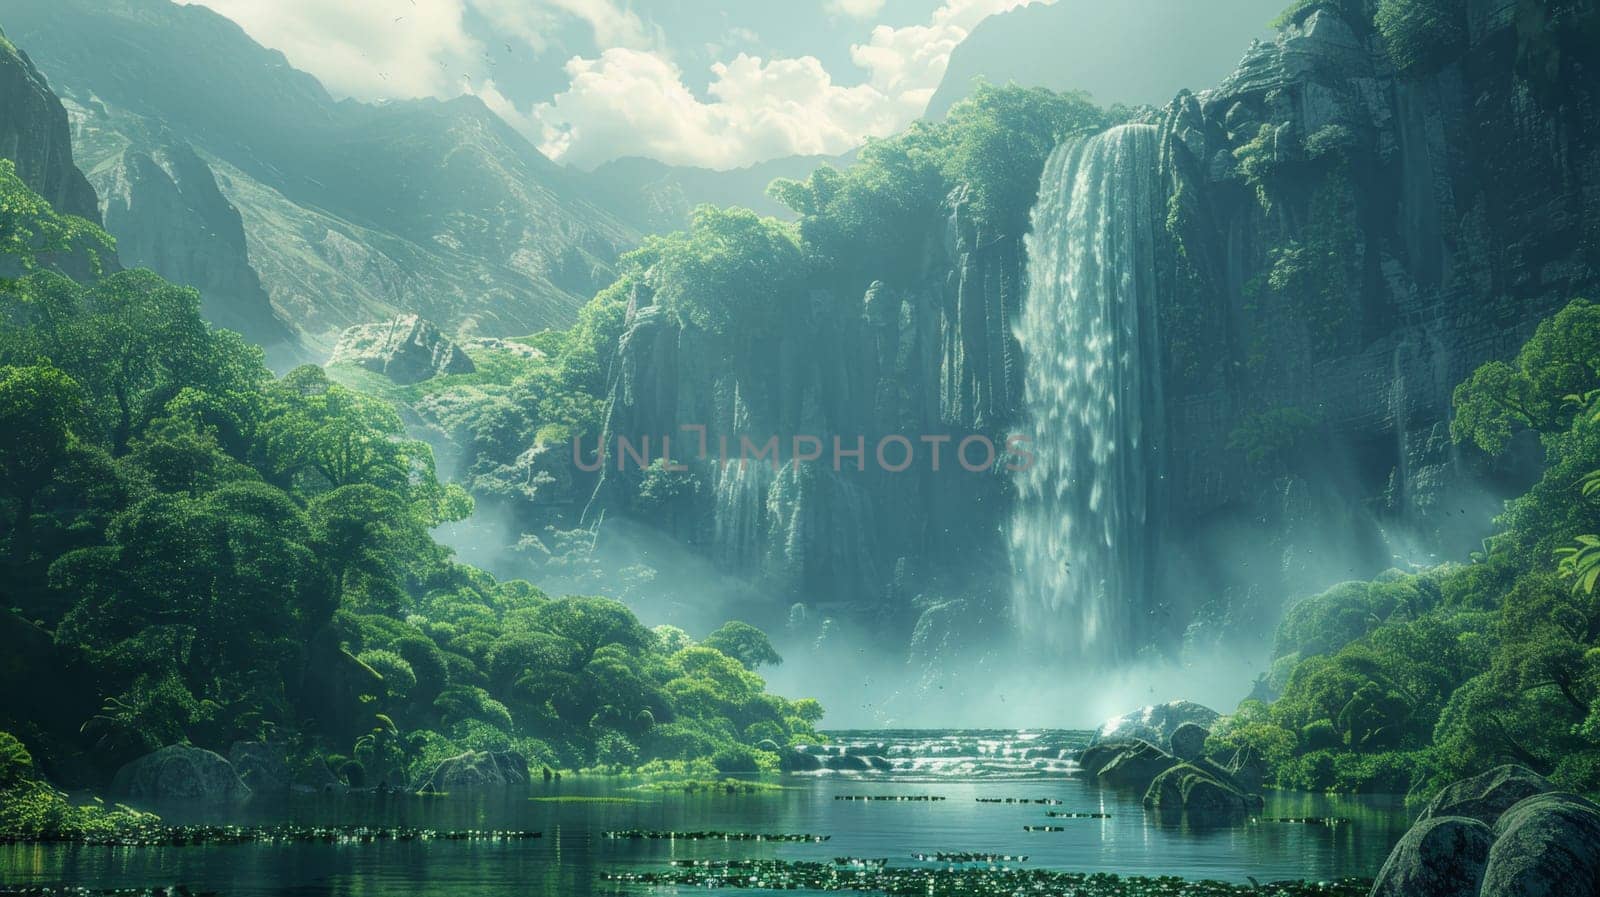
(406, 350)
(261, 765)
(1547, 845)
(1484, 797)
(1189, 741)
(180, 772)
(1440, 857)
(880, 764)
(1155, 723)
(1136, 766)
(800, 761)
(1197, 794)
(477, 769)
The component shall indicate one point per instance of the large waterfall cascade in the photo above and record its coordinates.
(1081, 538)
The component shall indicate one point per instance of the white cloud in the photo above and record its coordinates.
(533, 22)
(368, 49)
(631, 99)
(630, 102)
(634, 102)
(855, 9)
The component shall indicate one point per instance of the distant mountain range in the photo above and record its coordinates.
(350, 212)
(1133, 52)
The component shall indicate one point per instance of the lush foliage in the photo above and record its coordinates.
(196, 550)
(1418, 678)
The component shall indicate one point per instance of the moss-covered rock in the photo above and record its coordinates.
(477, 769)
(180, 772)
(1188, 790)
(1440, 857)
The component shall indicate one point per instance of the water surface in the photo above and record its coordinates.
(571, 856)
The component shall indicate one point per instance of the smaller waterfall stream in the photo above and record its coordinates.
(1080, 535)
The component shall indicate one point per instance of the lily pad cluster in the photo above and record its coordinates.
(156, 835)
(641, 834)
(968, 882)
(899, 797)
(1046, 801)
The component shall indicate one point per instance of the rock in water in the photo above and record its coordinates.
(1484, 797)
(180, 772)
(1135, 766)
(406, 350)
(1196, 793)
(1189, 741)
(1440, 857)
(261, 765)
(1156, 723)
(1548, 845)
(477, 769)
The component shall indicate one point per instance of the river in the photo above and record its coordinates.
(571, 857)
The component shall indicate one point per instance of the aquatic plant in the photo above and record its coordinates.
(964, 882)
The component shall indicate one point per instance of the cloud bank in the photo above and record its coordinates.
(632, 97)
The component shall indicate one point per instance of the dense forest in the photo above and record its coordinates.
(1416, 679)
(197, 551)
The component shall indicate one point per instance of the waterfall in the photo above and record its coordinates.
(1081, 539)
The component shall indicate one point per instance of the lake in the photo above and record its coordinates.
(574, 814)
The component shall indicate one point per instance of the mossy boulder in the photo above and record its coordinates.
(477, 770)
(180, 772)
(1196, 793)
(1485, 797)
(1135, 765)
(1440, 857)
(1189, 741)
(261, 765)
(1547, 845)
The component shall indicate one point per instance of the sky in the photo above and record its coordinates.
(689, 82)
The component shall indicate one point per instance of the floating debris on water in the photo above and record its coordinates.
(77, 891)
(964, 857)
(1306, 820)
(1044, 828)
(638, 834)
(198, 835)
(923, 881)
(1057, 814)
(923, 797)
(861, 862)
(1046, 801)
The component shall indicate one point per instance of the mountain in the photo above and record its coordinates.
(656, 196)
(33, 134)
(1134, 52)
(492, 237)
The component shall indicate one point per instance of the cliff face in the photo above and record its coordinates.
(1343, 242)
(1348, 242)
(162, 204)
(352, 212)
(932, 357)
(34, 134)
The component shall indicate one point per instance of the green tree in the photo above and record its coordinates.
(744, 643)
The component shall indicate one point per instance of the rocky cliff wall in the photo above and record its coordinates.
(1344, 242)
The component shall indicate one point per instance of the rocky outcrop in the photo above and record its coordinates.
(34, 135)
(475, 770)
(1547, 845)
(1487, 796)
(1156, 723)
(1199, 794)
(261, 765)
(406, 350)
(1126, 763)
(1439, 857)
(180, 772)
(161, 202)
(1189, 741)
(1517, 837)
